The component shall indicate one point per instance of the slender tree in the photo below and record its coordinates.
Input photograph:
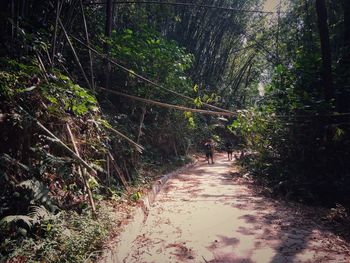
(108, 34)
(325, 49)
(346, 7)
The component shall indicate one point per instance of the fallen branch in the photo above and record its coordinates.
(119, 171)
(137, 146)
(126, 171)
(108, 171)
(62, 144)
(206, 261)
(193, 5)
(74, 53)
(147, 80)
(41, 66)
(58, 12)
(88, 42)
(82, 174)
(167, 105)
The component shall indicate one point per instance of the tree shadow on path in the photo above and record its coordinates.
(281, 234)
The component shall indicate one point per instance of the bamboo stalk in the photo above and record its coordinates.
(108, 171)
(175, 149)
(119, 172)
(41, 66)
(47, 55)
(193, 5)
(58, 11)
(13, 19)
(73, 140)
(127, 172)
(141, 123)
(62, 144)
(66, 71)
(88, 42)
(74, 53)
(172, 106)
(135, 155)
(146, 79)
(84, 173)
(138, 147)
(90, 194)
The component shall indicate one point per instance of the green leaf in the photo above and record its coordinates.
(92, 182)
(128, 31)
(339, 134)
(236, 124)
(279, 69)
(198, 102)
(136, 196)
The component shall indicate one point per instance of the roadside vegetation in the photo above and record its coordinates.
(299, 130)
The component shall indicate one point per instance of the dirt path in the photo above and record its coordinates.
(205, 216)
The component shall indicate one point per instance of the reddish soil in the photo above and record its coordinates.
(204, 215)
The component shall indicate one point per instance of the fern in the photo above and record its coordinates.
(40, 193)
(9, 160)
(15, 219)
(37, 188)
(39, 214)
(23, 223)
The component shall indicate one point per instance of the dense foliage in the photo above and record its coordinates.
(283, 75)
(50, 82)
(299, 136)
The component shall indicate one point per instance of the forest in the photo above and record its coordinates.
(100, 98)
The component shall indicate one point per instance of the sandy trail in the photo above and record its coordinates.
(203, 215)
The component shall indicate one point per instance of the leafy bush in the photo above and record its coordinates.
(299, 143)
(64, 95)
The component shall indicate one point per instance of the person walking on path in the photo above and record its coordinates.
(209, 151)
(229, 150)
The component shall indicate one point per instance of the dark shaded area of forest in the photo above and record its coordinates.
(300, 127)
(98, 98)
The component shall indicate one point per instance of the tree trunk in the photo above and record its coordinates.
(108, 34)
(346, 7)
(141, 124)
(325, 49)
(136, 155)
(88, 42)
(344, 65)
(5, 26)
(346, 56)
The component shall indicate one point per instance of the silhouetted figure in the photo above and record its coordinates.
(229, 150)
(209, 151)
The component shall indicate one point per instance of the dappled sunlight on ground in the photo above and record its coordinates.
(205, 216)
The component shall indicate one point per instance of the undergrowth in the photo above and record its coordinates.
(67, 237)
(45, 215)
